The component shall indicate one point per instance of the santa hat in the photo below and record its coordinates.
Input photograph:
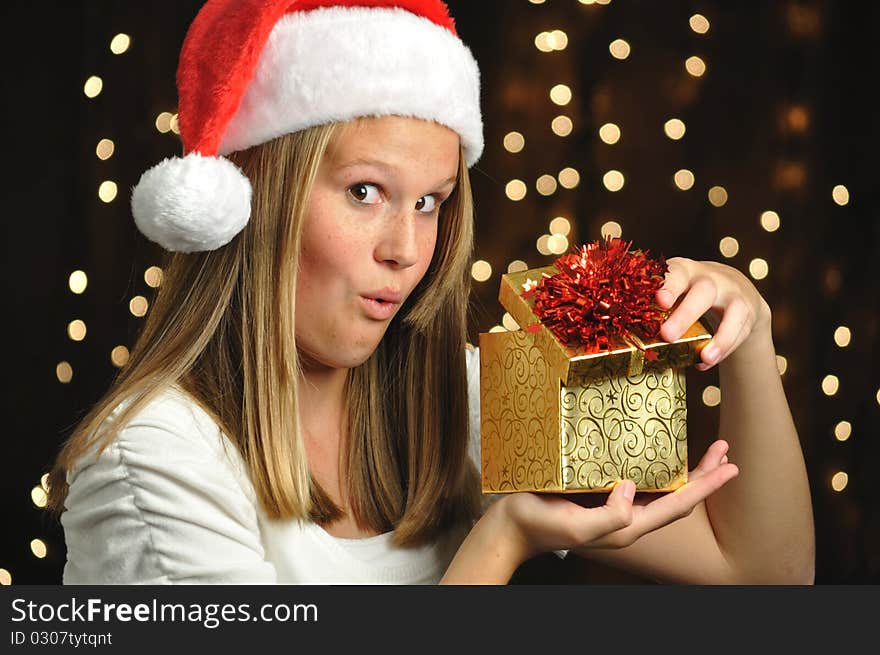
(254, 70)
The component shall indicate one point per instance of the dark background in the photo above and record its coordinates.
(781, 117)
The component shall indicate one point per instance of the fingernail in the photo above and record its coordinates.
(629, 489)
(710, 353)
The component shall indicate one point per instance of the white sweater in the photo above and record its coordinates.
(169, 501)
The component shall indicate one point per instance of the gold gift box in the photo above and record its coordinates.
(561, 419)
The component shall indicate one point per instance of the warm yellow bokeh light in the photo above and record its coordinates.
(830, 385)
(699, 23)
(728, 246)
(542, 244)
(695, 66)
(560, 225)
(557, 244)
(569, 178)
(781, 364)
(93, 86)
(107, 191)
(498, 328)
(611, 228)
(542, 42)
(717, 196)
(770, 221)
(119, 356)
(842, 336)
(38, 548)
(78, 281)
(138, 306)
(163, 122)
(5, 577)
(619, 49)
(560, 94)
(481, 270)
(546, 185)
(758, 268)
(516, 266)
(613, 180)
(514, 142)
(674, 128)
(64, 372)
(516, 190)
(76, 330)
(104, 150)
(711, 396)
(174, 124)
(508, 322)
(840, 194)
(38, 496)
(609, 133)
(843, 431)
(44, 481)
(684, 179)
(558, 40)
(839, 481)
(120, 43)
(561, 126)
(153, 276)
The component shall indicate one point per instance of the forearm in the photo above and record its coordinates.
(486, 556)
(762, 520)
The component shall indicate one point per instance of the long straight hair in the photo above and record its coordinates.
(222, 329)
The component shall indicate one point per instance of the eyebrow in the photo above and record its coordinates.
(385, 167)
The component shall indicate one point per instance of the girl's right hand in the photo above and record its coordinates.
(539, 523)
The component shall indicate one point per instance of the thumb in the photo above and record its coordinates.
(617, 512)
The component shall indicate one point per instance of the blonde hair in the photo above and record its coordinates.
(221, 328)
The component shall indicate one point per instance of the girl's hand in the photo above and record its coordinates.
(733, 306)
(538, 523)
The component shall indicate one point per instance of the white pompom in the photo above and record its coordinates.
(192, 204)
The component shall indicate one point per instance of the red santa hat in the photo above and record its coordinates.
(253, 70)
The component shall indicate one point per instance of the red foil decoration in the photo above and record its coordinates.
(603, 293)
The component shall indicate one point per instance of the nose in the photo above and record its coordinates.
(398, 243)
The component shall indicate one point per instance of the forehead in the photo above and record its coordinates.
(398, 142)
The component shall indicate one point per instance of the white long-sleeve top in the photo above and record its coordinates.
(169, 501)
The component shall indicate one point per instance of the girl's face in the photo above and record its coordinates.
(369, 233)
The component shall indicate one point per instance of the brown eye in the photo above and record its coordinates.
(426, 204)
(365, 193)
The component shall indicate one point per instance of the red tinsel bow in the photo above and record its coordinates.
(602, 292)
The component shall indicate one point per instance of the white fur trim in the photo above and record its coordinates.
(339, 63)
(192, 204)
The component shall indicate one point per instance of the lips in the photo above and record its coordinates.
(382, 304)
(385, 295)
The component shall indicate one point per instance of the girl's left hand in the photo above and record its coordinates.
(733, 306)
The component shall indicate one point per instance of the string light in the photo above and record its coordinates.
(516, 190)
(684, 179)
(514, 142)
(711, 396)
(840, 194)
(781, 364)
(44, 482)
(39, 497)
(174, 124)
(119, 356)
(120, 44)
(481, 270)
(612, 229)
(843, 430)
(569, 178)
(770, 221)
(5, 577)
(717, 196)
(78, 281)
(830, 385)
(546, 185)
(508, 322)
(695, 66)
(560, 225)
(107, 191)
(619, 49)
(104, 150)
(674, 128)
(839, 481)
(561, 126)
(93, 86)
(728, 246)
(64, 372)
(699, 23)
(76, 330)
(516, 266)
(498, 328)
(38, 548)
(842, 336)
(560, 94)
(613, 180)
(153, 276)
(542, 245)
(163, 122)
(557, 244)
(759, 268)
(138, 306)
(609, 133)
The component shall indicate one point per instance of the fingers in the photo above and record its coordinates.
(715, 456)
(699, 299)
(615, 514)
(734, 327)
